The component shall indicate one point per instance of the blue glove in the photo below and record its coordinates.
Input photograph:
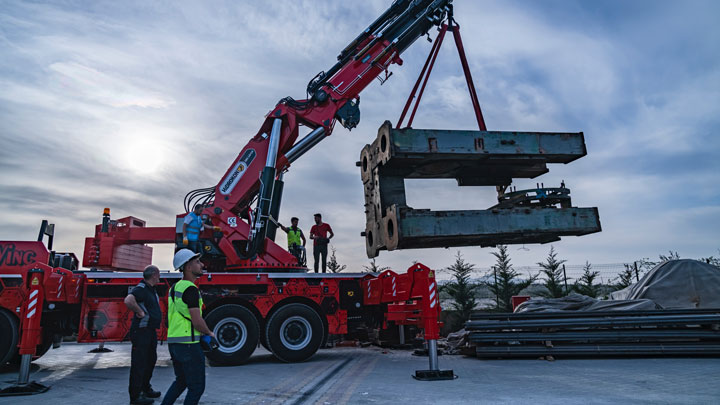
(208, 343)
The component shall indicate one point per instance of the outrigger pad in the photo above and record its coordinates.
(30, 388)
(100, 350)
(434, 375)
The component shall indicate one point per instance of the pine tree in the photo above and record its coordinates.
(553, 275)
(625, 278)
(333, 264)
(670, 256)
(715, 261)
(505, 283)
(460, 289)
(374, 268)
(585, 285)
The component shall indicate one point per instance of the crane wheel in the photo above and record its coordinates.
(294, 332)
(263, 340)
(236, 330)
(9, 336)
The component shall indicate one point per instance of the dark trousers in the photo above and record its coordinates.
(195, 246)
(189, 364)
(142, 360)
(320, 249)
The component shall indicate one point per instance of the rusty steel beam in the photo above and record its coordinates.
(473, 158)
(406, 228)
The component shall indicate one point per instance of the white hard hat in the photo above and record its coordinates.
(183, 256)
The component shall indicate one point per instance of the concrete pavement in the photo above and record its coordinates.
(374, 375)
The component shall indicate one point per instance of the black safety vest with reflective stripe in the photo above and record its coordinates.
(150, 304)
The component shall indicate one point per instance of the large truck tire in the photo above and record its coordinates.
(236, 330)
(9, 336)
(263, 340)
(40, 350)
(295, 332)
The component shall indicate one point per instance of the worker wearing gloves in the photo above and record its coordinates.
(296, 239)
(186, 327)
(192, 227)
(144, 302)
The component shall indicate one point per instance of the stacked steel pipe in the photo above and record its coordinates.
(592, 334)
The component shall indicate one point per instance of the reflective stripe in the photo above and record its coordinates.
(183, 339)
(180, 329)
(194, 227)
(144, 321)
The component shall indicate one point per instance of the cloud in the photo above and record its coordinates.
(106, 89)
(132, 105)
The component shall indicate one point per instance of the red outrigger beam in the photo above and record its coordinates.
(31, 336)
(412, 299)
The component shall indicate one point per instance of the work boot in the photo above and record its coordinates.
(142, 400)
(149, 393)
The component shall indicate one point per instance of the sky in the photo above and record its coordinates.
(132, 104)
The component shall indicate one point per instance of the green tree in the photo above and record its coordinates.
(374, 268)
(715, 261)
(553, 272)
(585, 285)
(460, 288)
(505, 282)
(672, 255)
(333, 264)
(625, 278)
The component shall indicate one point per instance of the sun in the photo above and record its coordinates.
(144, 156)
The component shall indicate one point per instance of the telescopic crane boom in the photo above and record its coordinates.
(247, 232)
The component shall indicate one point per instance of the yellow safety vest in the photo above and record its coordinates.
(293, 237)
(180, 329)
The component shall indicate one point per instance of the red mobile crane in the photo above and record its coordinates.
(255, 291)
(246, 236)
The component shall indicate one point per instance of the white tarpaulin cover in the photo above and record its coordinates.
(677, 284)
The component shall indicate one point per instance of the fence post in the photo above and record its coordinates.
(637, 275)
(565, 277)
(497, 297)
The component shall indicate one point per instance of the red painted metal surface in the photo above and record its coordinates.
(518, 299)
(15, 256)
(121, 247)
(32, 312)
(91, 303)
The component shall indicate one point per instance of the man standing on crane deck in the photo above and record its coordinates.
(192, 226)
(296, 239)
(143, 300)
(185, 328)
(321, 239)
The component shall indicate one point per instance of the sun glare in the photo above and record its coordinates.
(144, 156)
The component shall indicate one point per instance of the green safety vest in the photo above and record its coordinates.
(180, 329)
(293, 237)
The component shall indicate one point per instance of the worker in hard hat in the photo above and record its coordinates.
(193, 226)
(185, 329)
(143, 300)
(295, 239)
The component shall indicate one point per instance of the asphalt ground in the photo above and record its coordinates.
(375, 375)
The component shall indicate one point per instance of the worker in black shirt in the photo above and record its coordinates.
(143, 300)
